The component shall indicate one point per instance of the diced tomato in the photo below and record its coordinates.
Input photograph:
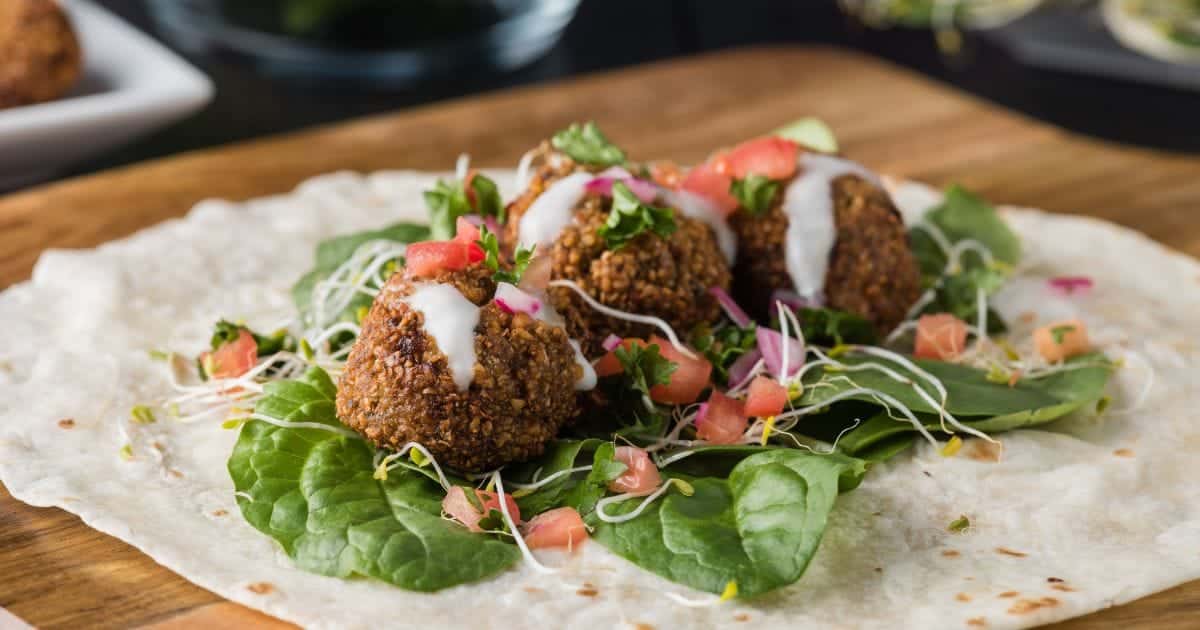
(467, 234)
(233, 359)
(1062, 340)
(690, 377)
(425, 259)
(666, 174)
(640, 476)
(771, 157)
(723, 420)
(462, 510)
(465, 231)
(704, 180)
(609, 364)
(557, 528)
(940, 337)
(766, 397)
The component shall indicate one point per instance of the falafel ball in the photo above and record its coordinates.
(666, 277)
(397, 386)
(872, 271)
(39, 54)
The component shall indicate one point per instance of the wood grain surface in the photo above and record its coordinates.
(57, 573)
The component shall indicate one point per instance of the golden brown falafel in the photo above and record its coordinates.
(652, 275)
(397, 387)
(872, 271)
(40, 57)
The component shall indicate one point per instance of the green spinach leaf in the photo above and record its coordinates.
(759, 528)
(992, 407)
(313, 491)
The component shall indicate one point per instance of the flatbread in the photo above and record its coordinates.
(1086, 513)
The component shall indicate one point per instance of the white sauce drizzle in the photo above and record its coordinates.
(587, 380)
(552, 211)
(450, 318)
(811, 232)
(699, 208)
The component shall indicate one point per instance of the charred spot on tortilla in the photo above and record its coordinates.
(1026, 606)
(439, 363)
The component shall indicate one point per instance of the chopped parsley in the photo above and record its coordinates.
(723, 346)
(449, 200)
(1059, 333)
(644, 367)
(227, 332)
(586, 144)
(754, 193)
(959, 525)
(630, 217)
(491, 250)
(487, 198)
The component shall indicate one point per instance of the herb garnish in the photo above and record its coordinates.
(586, 144)
(959, 525)
(644, 366)
(227, 332)
(449, 200)
(755, 193)
(1059, 333)
(723, 346)
(630, 217)
(491, 249)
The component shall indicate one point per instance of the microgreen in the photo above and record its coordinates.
(142, 414)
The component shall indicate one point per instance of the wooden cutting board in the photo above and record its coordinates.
(56, 572)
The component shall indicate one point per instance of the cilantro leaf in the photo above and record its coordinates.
(446, 202)
(826, 326)
(586, 144)
(487, 198)
(1059, 333)
(723, 346)
(644, 367)
(491, 250)
(224, 332)
(630, 217)
(754, 193)
(227, 332)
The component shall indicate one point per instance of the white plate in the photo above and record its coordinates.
(130, 86)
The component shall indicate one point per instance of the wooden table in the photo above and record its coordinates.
(56, 572)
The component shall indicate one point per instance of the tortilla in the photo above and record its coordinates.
(1089, 512)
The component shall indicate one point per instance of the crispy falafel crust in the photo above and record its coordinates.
(396, 387)
(664, 277)
(40, 57)
(872, 271)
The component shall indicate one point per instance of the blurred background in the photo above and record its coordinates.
(1126, 73)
